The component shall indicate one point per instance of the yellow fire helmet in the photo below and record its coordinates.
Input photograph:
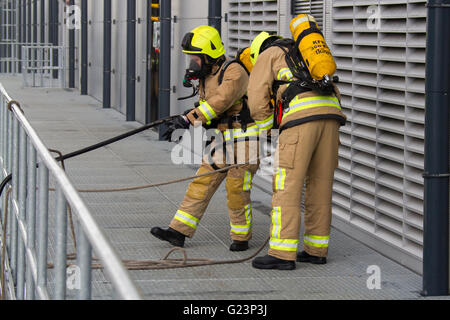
(258, 43)
(203, 40)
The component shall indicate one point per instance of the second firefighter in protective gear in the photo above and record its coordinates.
(222, 87)
(306, 154)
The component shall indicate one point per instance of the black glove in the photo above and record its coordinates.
(180, 122)
(213, 125)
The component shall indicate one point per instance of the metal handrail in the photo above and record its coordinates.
(113, 266)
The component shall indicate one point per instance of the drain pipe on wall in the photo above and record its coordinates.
(84, 48)
(215, 14)
(29, 22)
(71, 52)
(165, 12)
(107, 29)
(436, 176)
(55, 40)
(35, 24)
(131, 60)
(148, 55)
(42, 22)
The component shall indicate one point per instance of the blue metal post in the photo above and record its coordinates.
(436, 176)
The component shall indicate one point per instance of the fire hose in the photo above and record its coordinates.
(166, 262)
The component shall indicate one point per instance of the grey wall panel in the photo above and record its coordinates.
(118, 62)
(95, 49)
(284, 18)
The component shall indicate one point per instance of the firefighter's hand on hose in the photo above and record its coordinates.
(180, 122)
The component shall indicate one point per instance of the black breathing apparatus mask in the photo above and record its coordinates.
(196, 67)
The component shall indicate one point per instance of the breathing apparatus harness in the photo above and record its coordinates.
(243, 117)
(305, 83)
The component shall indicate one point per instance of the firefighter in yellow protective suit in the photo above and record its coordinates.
(309, 117)
(222, 105)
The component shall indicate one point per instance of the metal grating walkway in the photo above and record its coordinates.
(67, 121)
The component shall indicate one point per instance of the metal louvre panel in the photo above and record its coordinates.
(313, 7)
(379, 48)
(247, 19)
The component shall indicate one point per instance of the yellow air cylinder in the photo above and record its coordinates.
(244, 57)
(312, 46)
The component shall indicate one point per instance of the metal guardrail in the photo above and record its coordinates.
(11, 57)
(41, 65)
(29, 225)
(44, 65)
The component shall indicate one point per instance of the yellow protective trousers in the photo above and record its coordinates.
(306, 155)
(201, 190)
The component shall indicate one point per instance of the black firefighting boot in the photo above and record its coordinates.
(173, 236)
(239, 245)
(269, 262)
(306, 257)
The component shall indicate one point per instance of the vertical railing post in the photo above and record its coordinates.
(4, 128)
(51, 65)
(31, 216)
(9, 168)
(21, 214)
(24, 66)
(42, 226)
(61, 65)
(84, 256)
(61, 250)
(15, 193)
(41, 64)
(9, 141)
